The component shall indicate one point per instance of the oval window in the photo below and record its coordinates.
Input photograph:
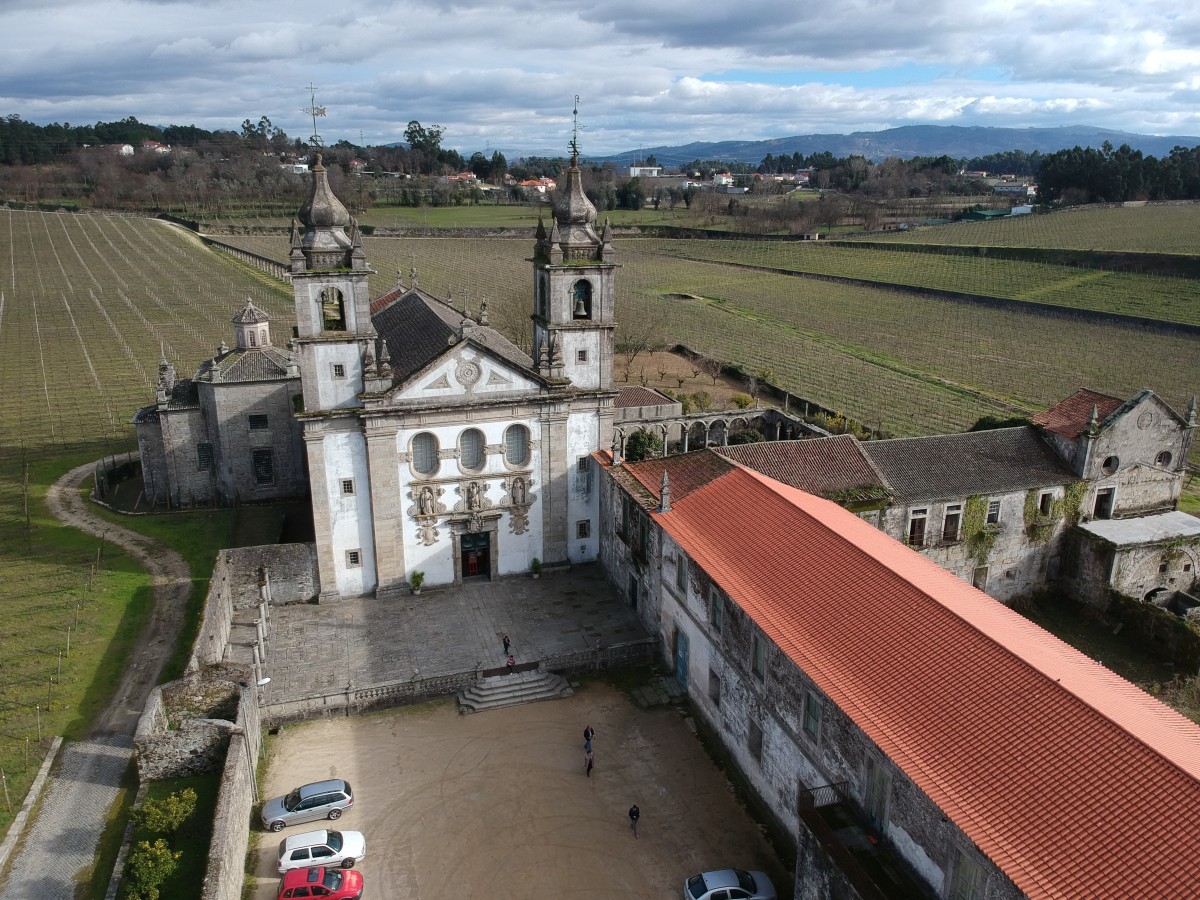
(1163, 459)
(470, 449)
(424, 453)
(516, 445)
(1110, 465)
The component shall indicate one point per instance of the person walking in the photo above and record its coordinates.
(588, 760)
(511, 662)
(507, 644)
(634, 815)
(588, 734)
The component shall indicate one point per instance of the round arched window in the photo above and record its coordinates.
(516, 445)
(470, 449)
(1163, 459)
(425, 453)
(1110, 465)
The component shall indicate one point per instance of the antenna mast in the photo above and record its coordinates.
(313, 110)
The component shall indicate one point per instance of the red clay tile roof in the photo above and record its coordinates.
(836, 468)
(1071, 417)
(641, 396)
(1074, 782)
(685, 472)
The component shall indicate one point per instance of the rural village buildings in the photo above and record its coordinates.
(822, 600)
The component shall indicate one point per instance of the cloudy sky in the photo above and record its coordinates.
(499, 75)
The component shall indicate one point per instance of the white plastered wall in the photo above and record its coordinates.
(583, 488)
(349, 514)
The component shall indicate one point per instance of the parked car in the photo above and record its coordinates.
(307, 803)
(317, 881)
(729, 884)
(322, 848)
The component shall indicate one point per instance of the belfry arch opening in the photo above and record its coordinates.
(333, 310)
(581, 300)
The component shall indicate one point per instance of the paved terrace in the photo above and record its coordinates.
(316, 650)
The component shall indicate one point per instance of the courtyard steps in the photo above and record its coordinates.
(497, 691)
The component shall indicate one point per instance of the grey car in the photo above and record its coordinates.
(307, 803)
(729, 884)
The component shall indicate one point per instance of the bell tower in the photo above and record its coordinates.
(333, 305)
(574, 298)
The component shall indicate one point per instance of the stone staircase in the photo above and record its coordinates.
(496, 691)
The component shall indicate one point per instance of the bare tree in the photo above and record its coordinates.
(711, 367)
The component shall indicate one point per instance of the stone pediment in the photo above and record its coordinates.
(463, 374)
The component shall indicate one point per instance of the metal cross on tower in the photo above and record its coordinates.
(575, 129)
(313, 110)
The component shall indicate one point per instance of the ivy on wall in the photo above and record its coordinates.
(1039, 527)
(979, 537)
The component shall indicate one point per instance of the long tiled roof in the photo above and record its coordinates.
(418, 328)
(835, 468)
(948, 466)
(636, 395)
(1072, 781)
(1071, 417)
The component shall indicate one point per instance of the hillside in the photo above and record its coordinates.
(913, 140)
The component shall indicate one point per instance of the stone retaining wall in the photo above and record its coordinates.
(223, 880)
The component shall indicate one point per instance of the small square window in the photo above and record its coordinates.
(339, 370)
(347, 485)
(581, 356)
(583, 529)
(259, 422)
(353, 558)
(716, 614)
(582, 463)
(993, 512)
(1162, 567)
(754, 740)
(714, 688)
(812, 715)
(758, 660)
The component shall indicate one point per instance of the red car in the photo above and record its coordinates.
(316, 881)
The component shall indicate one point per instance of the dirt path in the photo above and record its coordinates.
(172, 580)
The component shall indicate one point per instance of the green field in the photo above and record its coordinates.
(87, 306)
(903, 361)
(1157, 228)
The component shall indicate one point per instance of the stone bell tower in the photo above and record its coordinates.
(574, 298)
(336, 338)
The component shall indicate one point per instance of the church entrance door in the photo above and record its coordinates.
(476, 556)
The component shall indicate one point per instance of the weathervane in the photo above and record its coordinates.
(575, 129)
(314, 111)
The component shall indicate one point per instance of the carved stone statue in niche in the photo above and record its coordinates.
(474, 498)
(427, 504)
(517, 491)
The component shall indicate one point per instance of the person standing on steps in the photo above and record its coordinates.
(511, 662)
(634, 815)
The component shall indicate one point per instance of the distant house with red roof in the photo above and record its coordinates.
(885, 710)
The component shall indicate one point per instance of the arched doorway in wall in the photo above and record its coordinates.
(475, 555)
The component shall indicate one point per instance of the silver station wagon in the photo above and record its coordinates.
(307, 803)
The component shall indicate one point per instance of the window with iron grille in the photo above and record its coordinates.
(470, 449)
(264, 465)
(425, 453)
(353, 558)
(339, 370)
(259, 422)
(516, 445)
(204, 456)
(583, 529)
(347, 485)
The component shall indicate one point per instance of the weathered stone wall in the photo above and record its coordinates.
(236, 797)
(231, 405)
(185, 727)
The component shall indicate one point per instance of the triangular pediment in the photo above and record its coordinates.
(466, 373)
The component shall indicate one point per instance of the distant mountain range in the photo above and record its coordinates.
(911, 140)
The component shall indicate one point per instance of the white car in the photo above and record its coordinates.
(729, 884)
(322, 848)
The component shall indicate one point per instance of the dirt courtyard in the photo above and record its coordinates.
(496, 804)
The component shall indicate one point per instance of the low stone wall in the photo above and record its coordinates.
(287, 573)
(185, 727)
(357, 700)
